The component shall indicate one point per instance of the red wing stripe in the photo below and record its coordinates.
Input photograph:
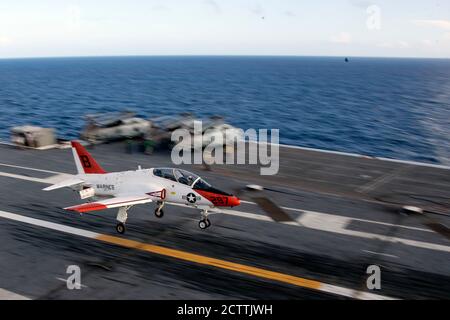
(88, 207)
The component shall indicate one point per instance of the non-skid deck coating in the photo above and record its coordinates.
(343, 217)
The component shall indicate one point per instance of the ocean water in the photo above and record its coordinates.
(397, 108)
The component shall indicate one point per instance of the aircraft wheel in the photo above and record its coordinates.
(203, 224)
(120, 228)
(159, 213)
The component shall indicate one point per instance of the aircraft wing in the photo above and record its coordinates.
(64, 184)
(115, 202)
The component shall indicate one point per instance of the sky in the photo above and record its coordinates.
(380, 28)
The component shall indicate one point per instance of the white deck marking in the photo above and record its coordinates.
(50, 180)
(28, 168)
(59, 176)
(8, 295)
(355, 294)
(287, 146)
(372, 185)
(356, 155)
(336, 224)
(21, 177)
(48, 225)
(381, 254)
(265, 274)
(309, 219)
(65, 280)
(330, 223)
(352, 218)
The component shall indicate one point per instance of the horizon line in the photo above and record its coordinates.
(222, 55)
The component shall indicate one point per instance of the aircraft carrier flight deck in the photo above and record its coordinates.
(311, 233)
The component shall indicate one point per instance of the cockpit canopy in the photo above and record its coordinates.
(188, 178)
(178, 175)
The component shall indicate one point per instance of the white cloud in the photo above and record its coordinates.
(4, 41)
(73, 14)
(385, 45)
(441, 24)
(342, 38)
(214, 6)
(360, 3)
(257, 9)
(403, 44)
(427, 43)
(160, 7)
(290, 13)
(395, 45)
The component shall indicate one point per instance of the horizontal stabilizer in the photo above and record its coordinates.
(64, 184)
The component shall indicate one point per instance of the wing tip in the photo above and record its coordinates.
(52, 187)
(87, 207)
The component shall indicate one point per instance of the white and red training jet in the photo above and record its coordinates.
(128, 188)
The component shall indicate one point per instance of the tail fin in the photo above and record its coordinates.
(84, 161)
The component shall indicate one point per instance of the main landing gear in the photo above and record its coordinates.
(159, 213)
(204, 223)
(120, 228)
(122, 217)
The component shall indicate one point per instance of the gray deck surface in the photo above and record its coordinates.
(362, 193)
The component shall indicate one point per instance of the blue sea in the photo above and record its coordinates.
(396, 108)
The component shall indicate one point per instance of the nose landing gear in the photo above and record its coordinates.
(204, 223)
(159, 213)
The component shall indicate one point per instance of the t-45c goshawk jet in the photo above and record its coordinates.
(128, 188)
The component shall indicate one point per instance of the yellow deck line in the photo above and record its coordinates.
(197, 259)
(223, 264)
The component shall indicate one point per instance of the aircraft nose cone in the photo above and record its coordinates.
(234, 201)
